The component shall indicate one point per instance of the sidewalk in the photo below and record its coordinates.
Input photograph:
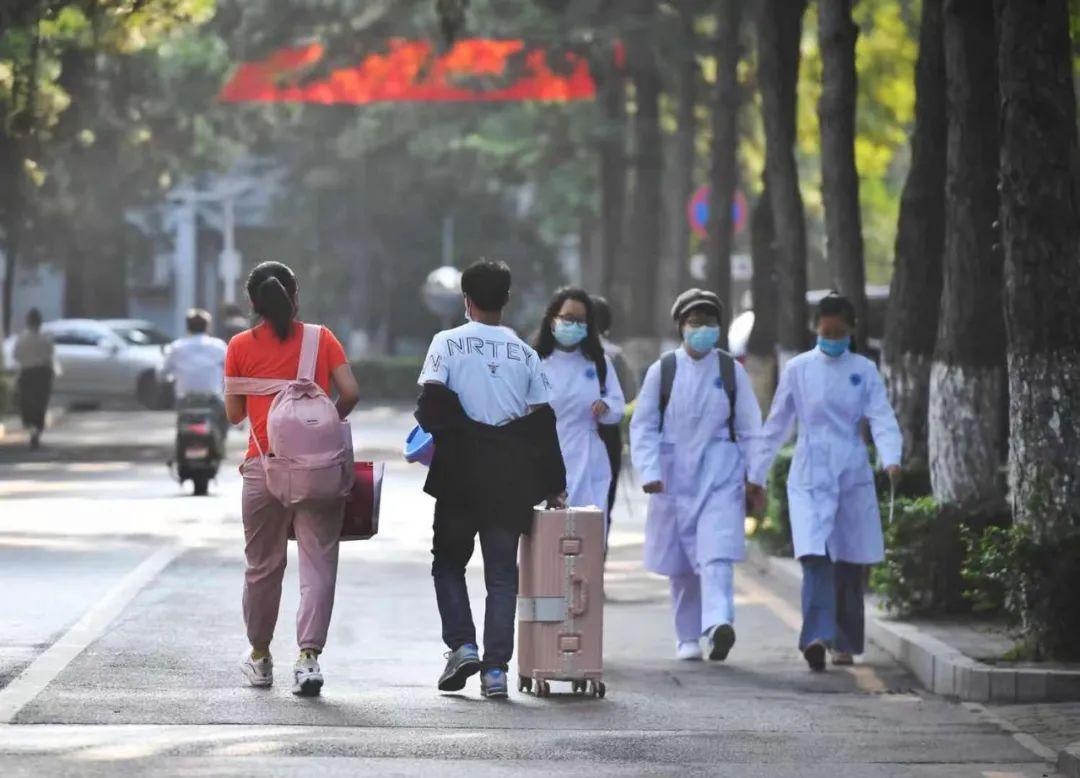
(962, 658)
(11, 429)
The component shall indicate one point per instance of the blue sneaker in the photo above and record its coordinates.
(460, 665)
(493, 684)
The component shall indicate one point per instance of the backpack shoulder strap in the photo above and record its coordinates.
(309, 352)
(601, 374)
(254, 386)
(729, 380)
(667, 381)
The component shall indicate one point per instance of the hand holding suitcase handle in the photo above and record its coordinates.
(579, 597)
(557, 502)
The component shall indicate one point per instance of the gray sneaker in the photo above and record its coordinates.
(460, 665)
(493, 684)
(307, 675)
(259, 672)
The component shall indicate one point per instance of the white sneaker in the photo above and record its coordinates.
(307, 677)
(259, 672)
(688, 650)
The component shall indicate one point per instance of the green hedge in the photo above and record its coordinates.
(1033, 581)
(926, 547)
(389, 378)
(774, 531)
(7, 393)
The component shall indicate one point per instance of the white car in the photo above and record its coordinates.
(99, 360)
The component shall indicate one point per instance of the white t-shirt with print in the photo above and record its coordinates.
(494, 373)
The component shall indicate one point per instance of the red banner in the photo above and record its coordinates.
(412, 71)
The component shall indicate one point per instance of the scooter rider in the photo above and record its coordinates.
(197, 364)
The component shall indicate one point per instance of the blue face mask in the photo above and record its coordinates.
(834, 348)
(701, 339)
(569, 333)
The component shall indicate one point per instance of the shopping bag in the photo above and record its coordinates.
(361, 520)
(362, 505)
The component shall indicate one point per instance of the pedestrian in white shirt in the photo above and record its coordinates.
(484, 398)
(689, 439)
(197, 365)
(835, 520)
(197, 361)
(34, 353)
(585, 393)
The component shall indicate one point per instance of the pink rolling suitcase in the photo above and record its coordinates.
(561, 602)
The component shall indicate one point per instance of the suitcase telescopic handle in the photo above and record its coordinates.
(579, 599)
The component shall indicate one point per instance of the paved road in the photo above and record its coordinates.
(120, 625)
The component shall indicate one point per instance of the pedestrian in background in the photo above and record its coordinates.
(272, 349)
(835, 520)
(484, 398)
(689, 439)
(35, 356)
(612, 434)
(585, 394)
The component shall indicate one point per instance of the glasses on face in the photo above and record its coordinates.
(571, 319)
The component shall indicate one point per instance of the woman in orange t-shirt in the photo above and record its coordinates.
(271, 349)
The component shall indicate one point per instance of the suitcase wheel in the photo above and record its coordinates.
(543, 689)
(579, 687)
(524, 684)
(601, 689)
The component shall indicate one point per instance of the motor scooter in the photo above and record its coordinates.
(200, 440)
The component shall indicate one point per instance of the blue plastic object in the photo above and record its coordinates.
(420, 447)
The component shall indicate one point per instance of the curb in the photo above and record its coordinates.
(1068, 762)
(945, 670)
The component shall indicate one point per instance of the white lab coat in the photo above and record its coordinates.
(700, 516)
(833, 503)
(575, 387)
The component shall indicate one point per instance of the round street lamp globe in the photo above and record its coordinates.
(441, 292)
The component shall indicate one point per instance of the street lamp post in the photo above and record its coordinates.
(185, 256)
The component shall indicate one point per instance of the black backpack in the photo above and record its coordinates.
(727, 376)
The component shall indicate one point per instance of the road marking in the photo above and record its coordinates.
(43, 670)
(866, 677)
(783, 610)
(1030, 742)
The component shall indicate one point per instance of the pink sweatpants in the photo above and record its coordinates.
(266, 540)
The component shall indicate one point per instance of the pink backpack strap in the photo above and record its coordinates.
(309, 352)
(255, 386)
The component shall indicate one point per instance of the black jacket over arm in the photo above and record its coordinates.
(497, 473)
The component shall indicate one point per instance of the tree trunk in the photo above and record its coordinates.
(1040, 220)
(915, 295)
(779, 28)
(612, 155)
(763, 283)
(646, 203)
(839, 178)
(967, 376)
(685, 158)
(724, 173)
(11, 202)
(14, 147)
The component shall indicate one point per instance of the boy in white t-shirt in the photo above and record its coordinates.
(498, 379)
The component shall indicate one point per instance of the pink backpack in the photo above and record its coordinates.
(311, 453)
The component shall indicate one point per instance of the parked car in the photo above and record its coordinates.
(99, 360)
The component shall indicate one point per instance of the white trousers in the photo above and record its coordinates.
(703, 601)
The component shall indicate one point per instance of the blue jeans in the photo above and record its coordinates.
(455, 536)
(832, 604)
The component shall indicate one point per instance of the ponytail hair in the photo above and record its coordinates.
(272, 289)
